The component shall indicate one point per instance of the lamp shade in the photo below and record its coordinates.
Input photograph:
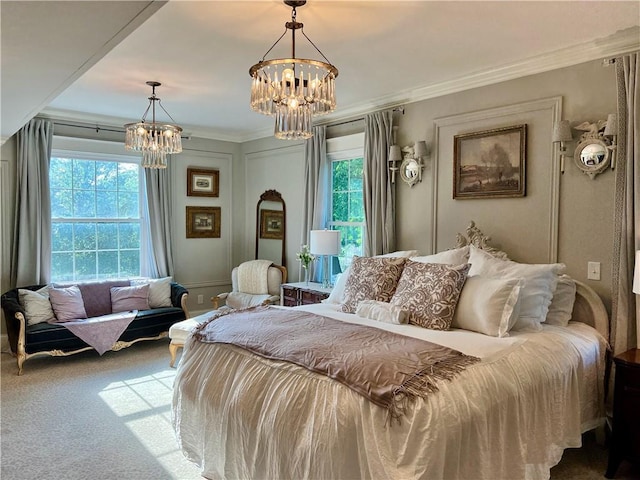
(420, 149)
(562, 131)
(636, 274)
(324, 242)
(612, 125)
(395, 153)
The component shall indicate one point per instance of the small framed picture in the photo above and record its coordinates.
(203, 182)
(272, 224)
(203, 222)
(490, 164)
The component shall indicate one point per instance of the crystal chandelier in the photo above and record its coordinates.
(154, 140)
(293, 89)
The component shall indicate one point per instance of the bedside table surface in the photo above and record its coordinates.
(316, 287)
(630, 357)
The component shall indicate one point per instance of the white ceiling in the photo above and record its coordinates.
(387, 53)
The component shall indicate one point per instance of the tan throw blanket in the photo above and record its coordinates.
(387, 368)
(252, 277)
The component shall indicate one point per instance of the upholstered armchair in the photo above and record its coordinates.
(256, 282)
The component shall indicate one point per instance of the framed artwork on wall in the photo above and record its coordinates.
(203, 182)
(490, 163)
(203, 222)
(272, 224)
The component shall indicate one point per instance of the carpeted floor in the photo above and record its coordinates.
(90, 417)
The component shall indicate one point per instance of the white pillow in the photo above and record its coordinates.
(337, 293)
(36, 304)
(382, 312)
(159, 290)
(456, 256)
(561, 306)
(540, 281)
(488, 305)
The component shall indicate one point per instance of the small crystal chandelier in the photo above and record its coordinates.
(154, 140)
(293, 89)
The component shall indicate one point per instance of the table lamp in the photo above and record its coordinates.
(325, 243)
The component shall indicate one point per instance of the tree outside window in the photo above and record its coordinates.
(95, 219)
(347, 207)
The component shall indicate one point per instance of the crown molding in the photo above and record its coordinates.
(624, 41)
(621, 42)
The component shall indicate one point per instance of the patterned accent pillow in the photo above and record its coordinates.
(371, 278)
(430, 292)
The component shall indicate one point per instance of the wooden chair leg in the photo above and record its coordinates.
(173, 350)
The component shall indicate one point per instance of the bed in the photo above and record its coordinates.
(531, 393)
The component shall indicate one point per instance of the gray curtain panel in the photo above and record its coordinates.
(379, 193)
(160, 261)
(31, 249)
(317, 177)
(625, 311)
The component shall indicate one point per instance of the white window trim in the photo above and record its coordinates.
(104, 151)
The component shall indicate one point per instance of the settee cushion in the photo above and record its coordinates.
(37, 307)
(159, 290)
(124, 299)
(97, 296)
(67, 303)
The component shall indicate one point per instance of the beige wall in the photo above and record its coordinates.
(585, 223)
(583, 218)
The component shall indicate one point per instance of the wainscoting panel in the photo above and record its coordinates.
(525, 227)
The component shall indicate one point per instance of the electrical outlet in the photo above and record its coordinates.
(593, 270)
(200, 299)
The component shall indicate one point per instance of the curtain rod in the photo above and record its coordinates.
(97, 128)
(353, 120)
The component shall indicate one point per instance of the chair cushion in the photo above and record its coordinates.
(239, 300)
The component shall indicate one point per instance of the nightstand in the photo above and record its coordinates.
(625, 431)
(294, 294)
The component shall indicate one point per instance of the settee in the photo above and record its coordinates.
(28, 339)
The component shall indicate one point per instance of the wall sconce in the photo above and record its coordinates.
(562, 134)
(411, 166)
(596, 148)
(395, 156)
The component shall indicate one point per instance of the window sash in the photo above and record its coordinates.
(123, 260)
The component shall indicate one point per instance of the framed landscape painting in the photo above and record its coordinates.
(490, 163)
(203, 222)
(202, 182)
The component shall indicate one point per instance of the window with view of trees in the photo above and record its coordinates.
(95, 219)
(347, 207)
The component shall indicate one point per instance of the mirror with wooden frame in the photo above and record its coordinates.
(271, 223)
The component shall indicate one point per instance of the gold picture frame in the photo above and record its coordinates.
(272, 224)
(203, 182)
(203, 222)
(490, 163)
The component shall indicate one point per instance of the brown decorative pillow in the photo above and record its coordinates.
(371, 278)
(430, 292)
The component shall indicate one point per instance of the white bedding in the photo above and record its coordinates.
(510, 416)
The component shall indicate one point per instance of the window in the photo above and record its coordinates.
(95, 217)
(347, 204)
